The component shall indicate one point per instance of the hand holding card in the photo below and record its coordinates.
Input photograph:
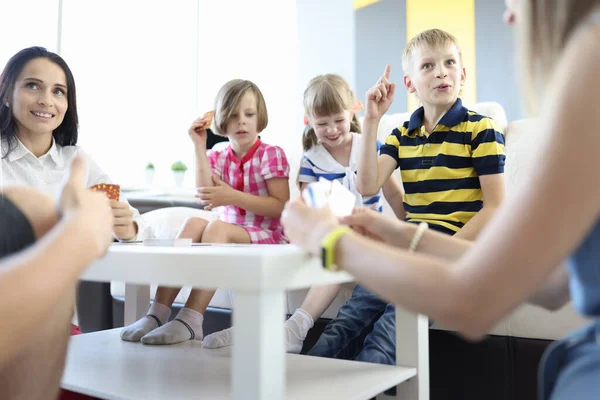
(113, 192)
(340, 200)
(208, 118)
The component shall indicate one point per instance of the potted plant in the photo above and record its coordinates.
(149, 173)
(178, 169)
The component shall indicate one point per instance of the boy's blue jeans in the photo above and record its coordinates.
(364, 329)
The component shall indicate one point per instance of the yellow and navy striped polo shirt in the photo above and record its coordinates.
(440, 172)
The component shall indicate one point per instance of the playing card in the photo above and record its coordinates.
(113, 192)
(330, 193)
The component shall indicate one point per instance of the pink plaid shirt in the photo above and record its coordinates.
(250, 175)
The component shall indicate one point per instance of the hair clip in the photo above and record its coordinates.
(357, 106)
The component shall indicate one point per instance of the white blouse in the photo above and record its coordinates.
(47, 172)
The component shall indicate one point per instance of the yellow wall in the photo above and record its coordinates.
(454, 16)
(362, 3)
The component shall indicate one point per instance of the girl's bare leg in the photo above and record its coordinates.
(160, 310)
(188, 323)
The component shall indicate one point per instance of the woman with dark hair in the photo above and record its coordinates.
(38, 131)
(38, 137)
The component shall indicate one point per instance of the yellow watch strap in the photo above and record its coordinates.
(328, 246)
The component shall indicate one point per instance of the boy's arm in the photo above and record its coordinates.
(372, 171)
(394, 192)
(492, 187)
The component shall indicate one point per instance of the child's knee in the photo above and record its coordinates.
(195, 223)
(193, 227)
(214, 233)
(39, 208)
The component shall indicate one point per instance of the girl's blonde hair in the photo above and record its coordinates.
(228, 100)
(546, 26)
(327, 95)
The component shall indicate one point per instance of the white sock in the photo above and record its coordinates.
(219, 339)
(187, 325)
(157, 315)
(296, 328)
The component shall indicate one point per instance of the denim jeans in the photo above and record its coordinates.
(364, 329)
(570, 368)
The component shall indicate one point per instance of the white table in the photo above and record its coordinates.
(101, 364)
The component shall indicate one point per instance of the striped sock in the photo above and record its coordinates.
(186, 326)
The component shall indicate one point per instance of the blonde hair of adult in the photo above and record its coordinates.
(228, 100)
(327, 95)
(545, 29)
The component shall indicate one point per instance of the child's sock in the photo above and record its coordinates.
(157, 315)
(219, 339)
(296, 328)
(186, 326)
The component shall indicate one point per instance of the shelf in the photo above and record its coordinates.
(101, 364)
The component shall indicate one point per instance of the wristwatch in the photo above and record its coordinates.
(328, 247)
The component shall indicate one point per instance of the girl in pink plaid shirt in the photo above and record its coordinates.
(249, 178)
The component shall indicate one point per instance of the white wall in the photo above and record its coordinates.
(40, 16)
(135, 68)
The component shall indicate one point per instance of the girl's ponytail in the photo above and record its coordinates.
(309, 138)
(355, 125)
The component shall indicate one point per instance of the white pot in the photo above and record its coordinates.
(179, 175)
(148, 176)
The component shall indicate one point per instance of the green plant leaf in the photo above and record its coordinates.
(178, 166)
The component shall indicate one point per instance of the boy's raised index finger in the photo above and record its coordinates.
(386, 71)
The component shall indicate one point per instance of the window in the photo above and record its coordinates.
(135, 66)
(42, 18)
(145, 69)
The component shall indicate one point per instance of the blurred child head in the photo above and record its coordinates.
(545, 27)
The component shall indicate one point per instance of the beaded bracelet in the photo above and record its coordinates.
(418, 235)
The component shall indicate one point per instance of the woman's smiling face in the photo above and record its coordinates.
(39, 100)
